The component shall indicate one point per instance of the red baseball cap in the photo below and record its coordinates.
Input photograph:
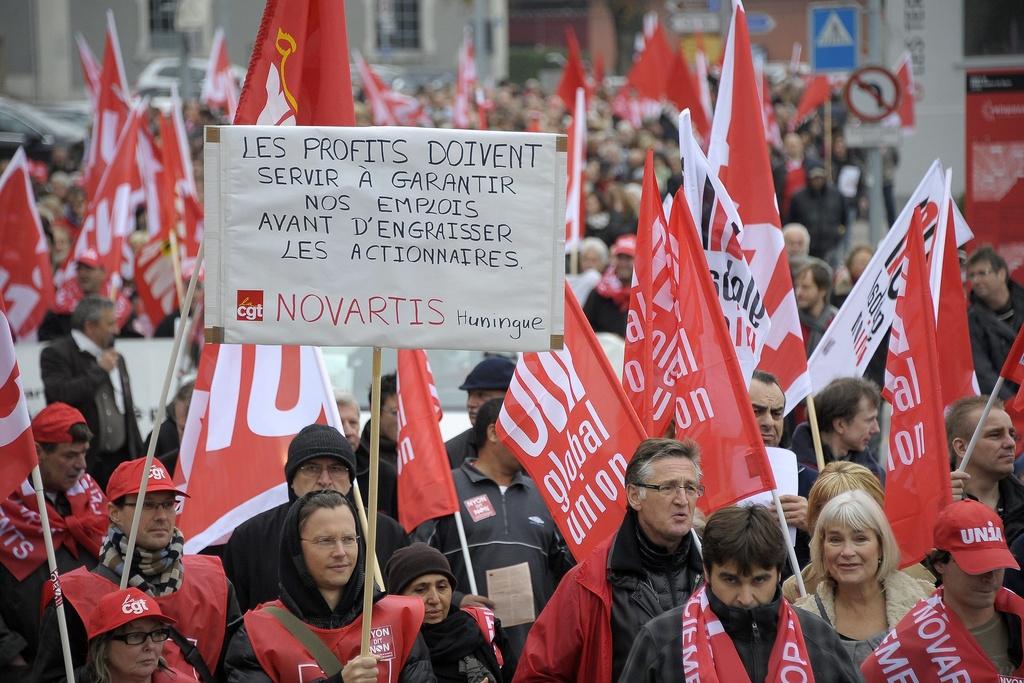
(122, 607)
(89, 258)
(973, 534)
(53, 423)
(127, 477)
(625, 245)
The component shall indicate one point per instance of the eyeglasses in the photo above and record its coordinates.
(139, 637)
(979, 274)
(313, 471)
(152, 505)
(326, 543)
(691, 490)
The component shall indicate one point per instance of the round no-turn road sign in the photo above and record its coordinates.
(872, 93)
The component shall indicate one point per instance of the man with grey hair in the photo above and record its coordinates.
(84, 371)
(649, 566)
(348, 411)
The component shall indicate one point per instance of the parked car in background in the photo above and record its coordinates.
(23, 125)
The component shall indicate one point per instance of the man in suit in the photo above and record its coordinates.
(86, 372)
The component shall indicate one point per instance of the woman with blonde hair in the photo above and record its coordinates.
(862, 593)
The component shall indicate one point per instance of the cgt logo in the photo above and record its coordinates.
(250, 304)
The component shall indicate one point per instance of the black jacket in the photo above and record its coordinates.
(1011, 507)
(303, 599)
(387, 473)
(604, 314)
(461, 448)
(459, 637)
(245, 555)
(991, 339)
(823, 214)
(657, 652)
(803, 446)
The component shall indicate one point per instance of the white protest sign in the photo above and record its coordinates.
(394, 237)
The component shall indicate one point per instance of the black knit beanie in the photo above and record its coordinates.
(318, 441)
(409, 563)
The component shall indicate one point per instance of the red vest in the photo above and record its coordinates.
(200, 606)
(396, 623)
(484, 618)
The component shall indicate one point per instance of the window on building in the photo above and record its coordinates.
(398, 25)
(993, 28)
(162, 34)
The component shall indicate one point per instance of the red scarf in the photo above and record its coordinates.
(709, 655)
(931, 644)
(611, 287)
(21, 533)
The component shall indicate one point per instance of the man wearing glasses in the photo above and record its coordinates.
(191, 589)
(994, 317)
(319, 459)
(651, 565)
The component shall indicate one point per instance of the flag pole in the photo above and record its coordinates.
(793, 563)
(151, 449)
(51, 560)
(812, 417)
(465, 551)
(828, 136)
(371, 527)
(356, 494)
(981, 423)
(179, 286)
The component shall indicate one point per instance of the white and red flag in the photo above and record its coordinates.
(917, 474)
(390, 108)
(739, 157)
(299, 71)
(772, 133)
(1013, 368)
(574, 75)
(110, 112)
(220, 91)
(577, 162)
(906, 115)
(17, 447)
(651, 360)
(700, 63)
(26, 280)
(567, 420)
(90, 69)
(425, 486)
(465, 83)
(682, 91)
(712, 404)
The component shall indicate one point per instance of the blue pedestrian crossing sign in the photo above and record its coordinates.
(834, 37)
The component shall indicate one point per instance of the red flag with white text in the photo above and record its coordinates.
(220, 91)
(577, 162)
(713, 407)
(917, 483)
(567, 420)
(26, 279)
(17, 447)
(425, 486)
(110, 112)
(465, 83)
(299, 71)
(739, 156)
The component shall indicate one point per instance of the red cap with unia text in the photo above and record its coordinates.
(973, 534)
(126, 479)
(121, 607)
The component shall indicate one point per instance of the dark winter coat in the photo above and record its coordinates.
(991, 339)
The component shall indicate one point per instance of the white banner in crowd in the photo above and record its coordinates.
(857, 330)
(395, 237)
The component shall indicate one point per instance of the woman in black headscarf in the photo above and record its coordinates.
(315, 625)
(466, 645)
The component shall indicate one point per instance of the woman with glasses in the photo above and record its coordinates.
(127, 632)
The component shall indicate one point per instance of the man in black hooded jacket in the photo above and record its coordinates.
(319, 457)
(321, 569)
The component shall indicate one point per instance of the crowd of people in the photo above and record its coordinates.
(672, 592)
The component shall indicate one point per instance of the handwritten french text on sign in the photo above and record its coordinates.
(398, 237)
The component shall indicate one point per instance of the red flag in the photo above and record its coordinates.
(17, 447)
(465, 83)
(154, 281)
(299, 72)
(772, 134)
(568, 421)
(110, 113)
(425, 486)
(249, 401)
(1013, 369)
(647, 74)
(917, 475)
(652, 357)
(577, 162)
(700, 62)
(816, 92)
(681, 90)
(740, 157)
(599, 70)
(573, 76)
(713, 407)
(905, 77)
(389, 108)
(26, 278)
(219, 89)
(90, 69)
(188, 212)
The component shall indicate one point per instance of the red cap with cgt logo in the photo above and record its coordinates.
(128, 476)
(122, 607)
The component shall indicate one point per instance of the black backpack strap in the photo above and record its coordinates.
(192, 655)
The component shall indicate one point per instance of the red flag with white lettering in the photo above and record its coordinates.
(651, 357)
(110, 113)
(425, 486)
(713, 407)
(26, 280)
(567, 420)
(299, 73)
(17, 447)
(740, 157)
(577, 161)
(249, 402)
(219, 89)
(917, 474)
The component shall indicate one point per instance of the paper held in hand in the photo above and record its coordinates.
(392, 237)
